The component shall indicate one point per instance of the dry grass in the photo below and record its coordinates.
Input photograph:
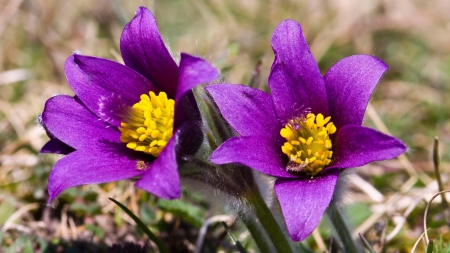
(411, 101)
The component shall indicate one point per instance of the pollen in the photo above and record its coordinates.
(308, 144)
(149, 124)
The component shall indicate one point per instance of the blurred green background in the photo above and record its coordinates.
(412, 102)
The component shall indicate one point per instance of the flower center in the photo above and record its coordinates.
(308, 144)
(149, 124)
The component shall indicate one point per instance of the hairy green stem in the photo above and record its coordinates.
(340, 222)
(276, 236)
(258, 233)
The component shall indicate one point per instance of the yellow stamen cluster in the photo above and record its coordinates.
(149, 125)
(308, 144)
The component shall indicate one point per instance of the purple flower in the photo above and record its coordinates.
(125, 121)
(307, 129)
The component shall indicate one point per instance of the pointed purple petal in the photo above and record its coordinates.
(72, 123)
(162, 177)
(249, 111)
(350, 83)
(303, 202)
(144, 51)
(56, 146)
(97, 164)
(295, 80)
(356, 146)
(193, 71)
(255, 152)
(92, 78)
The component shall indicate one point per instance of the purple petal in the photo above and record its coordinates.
(303, 202)
(162, 177)
(144, 51)
(97, 164)
(189, 137)
(255, 152)
(72, 123)
(350, 83)
(112, 109)
(193, 71)
(249, 111)
(186, 109)
(56, 146)
(94, 78)
(356, 146)
(295, 80)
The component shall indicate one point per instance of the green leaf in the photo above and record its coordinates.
(6, 210)
(146, 213)
(143, 227)
(430, 246)
(190, 213)
(97, 231)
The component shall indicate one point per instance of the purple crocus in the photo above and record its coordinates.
(307, 130)
(125, 121)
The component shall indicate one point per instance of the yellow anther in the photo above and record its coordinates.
(162, 143)
(131, 145)
(319, 120)
(322, 133)
(149, 125)
(140, 130)
(285, 133)
(154, 134)
(308, 144)
(140, 148)
(328, 144)
(332, 129)
(310, 122)
(288, 146)
(142, 137)
(295, 142)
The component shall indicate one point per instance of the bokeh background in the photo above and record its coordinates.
(385, 200)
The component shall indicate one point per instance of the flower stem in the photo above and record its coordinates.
(258, 233)
(340, 222)
(272, 229)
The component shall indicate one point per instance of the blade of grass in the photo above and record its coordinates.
(238, 244)
(426, 213)
(417, 241)
(430, 246)
(437, 172)
(143, 227)
(366, 243)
